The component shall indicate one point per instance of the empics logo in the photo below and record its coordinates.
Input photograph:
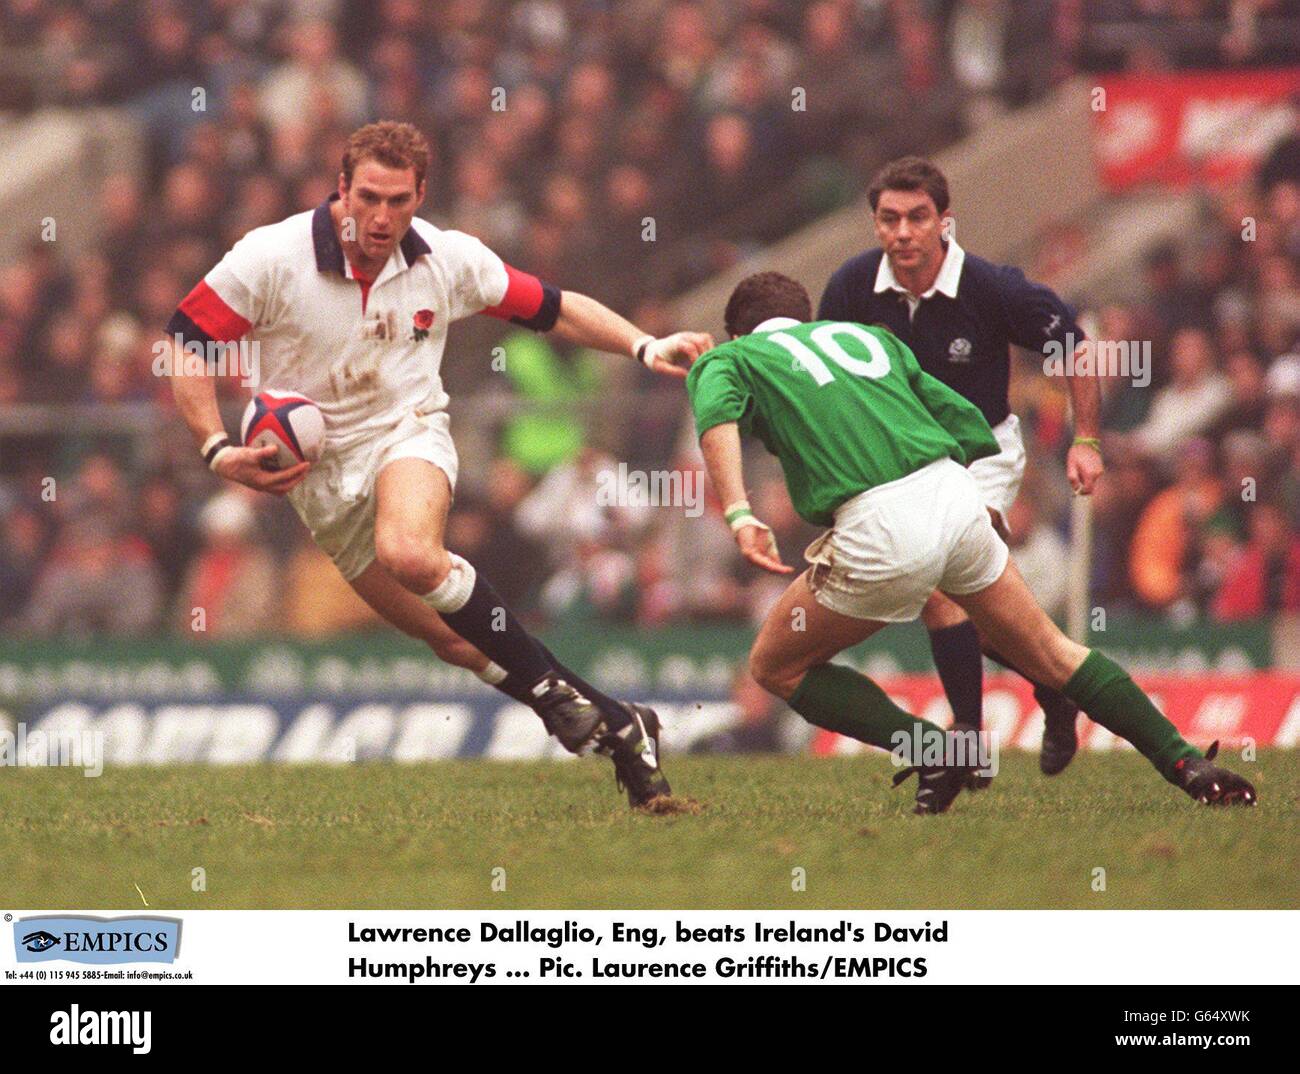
(97, 941)
(39, 941)
(75, 1026)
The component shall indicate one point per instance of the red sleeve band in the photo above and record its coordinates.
(527, 301)
(208, 311)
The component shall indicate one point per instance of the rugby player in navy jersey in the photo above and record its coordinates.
(960, 316)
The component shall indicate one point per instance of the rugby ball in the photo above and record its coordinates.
(292, 422)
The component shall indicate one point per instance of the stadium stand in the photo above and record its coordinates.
(677, 112)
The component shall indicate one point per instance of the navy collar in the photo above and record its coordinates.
(329, 251)
(413, 245)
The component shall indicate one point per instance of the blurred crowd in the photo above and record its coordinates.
(629, 150)
(1199, 511)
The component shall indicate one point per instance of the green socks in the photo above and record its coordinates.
(839, 699)
(1107, 693)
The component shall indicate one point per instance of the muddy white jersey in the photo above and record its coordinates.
(369, 352)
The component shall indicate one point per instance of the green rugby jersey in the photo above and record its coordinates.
(843, 406)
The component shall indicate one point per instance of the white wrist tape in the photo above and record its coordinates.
(213, 448)
(739, 515)
(641, 351)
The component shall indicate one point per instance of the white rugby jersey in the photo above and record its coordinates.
(368, 352)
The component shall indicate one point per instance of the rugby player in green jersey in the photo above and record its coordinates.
(877, 450)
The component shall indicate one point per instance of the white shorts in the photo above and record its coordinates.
(337, 498)
(999, 476)
(894, 545)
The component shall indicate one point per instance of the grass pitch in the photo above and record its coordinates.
(394, 836)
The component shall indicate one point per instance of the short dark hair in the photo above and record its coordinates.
(910, 173)
(762, 295)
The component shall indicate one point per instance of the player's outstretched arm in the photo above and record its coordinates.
(722, 459)
(589, 323)
(196, 399)
(1036, 315)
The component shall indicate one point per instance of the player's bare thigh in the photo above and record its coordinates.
(412, 498)
(1010, 620)
(940, 612)
(799, 634)
(404, 610)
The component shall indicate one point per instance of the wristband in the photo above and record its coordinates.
(739, 515)
(1089, 441)
(213, 446)
(639, 349)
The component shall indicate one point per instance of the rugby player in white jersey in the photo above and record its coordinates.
(349, 305)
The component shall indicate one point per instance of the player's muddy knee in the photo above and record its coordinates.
(419, 566)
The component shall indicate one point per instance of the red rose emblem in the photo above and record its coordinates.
(423, 319)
